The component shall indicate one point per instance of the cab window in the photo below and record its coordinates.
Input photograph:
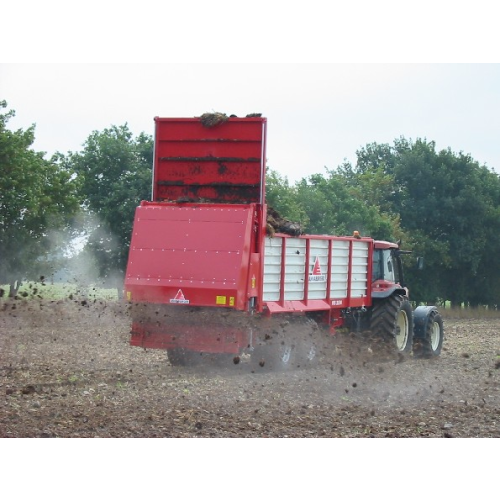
(384, 266)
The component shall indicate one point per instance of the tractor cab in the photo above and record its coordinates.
(387, 269)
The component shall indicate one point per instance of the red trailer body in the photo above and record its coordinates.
(200, 255)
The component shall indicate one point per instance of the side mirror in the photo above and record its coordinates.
(420, 263)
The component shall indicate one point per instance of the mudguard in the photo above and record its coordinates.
(386, 292)
(420, 320)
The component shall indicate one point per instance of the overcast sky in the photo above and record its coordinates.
(318, 114)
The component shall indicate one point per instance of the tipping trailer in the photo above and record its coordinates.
(204, 270)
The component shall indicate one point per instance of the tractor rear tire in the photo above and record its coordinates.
(392, 320)
(431, 344)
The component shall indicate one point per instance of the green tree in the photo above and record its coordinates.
(337, 208)
(114, 169)
(282, 197)
(445, 195)
(37, 203)
(447, 203)
(338, 203)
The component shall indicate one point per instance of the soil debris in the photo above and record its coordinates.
(278, 224)
(210, 120)
(68, 370)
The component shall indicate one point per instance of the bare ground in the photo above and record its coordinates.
(67, 370)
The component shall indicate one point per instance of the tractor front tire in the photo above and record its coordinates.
(431, 344)
(392, 321)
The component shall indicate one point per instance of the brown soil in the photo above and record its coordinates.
(67, 370)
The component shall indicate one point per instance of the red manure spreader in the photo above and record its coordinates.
(214, 273)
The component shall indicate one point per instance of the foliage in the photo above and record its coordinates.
(449, 204)
(328, 204)
(444, 206)
(337, 208)
(37, 203)
(114, 170)
(281, 196)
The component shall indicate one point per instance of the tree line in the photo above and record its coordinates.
(442, 205)
(88, 196)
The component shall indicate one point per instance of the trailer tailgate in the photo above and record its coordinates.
(191, 254)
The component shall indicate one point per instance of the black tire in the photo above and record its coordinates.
(286, 342)
(392, 320)
(279, 356)
(308, 356)
(187, 358)
(431, 344)
(183, 357)
(285, 356)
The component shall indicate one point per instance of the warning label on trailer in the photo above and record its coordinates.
(179, 298)
(221, 300)
(316, 274)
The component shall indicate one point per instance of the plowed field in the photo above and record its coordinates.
(67, 370)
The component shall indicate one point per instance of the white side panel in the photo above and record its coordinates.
(294, 269)
(339, 269)
(272, 269)
(359, 276)
(318, 269)
(295, 256)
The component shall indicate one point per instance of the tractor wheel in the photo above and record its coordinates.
(177, 357)
(183, 357)
(430, 346)
(286, 356)
(308, 355)
(187, 358)
(287, 343)
(274, 357)
(392, 320)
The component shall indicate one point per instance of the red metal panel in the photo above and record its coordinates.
(210, 295)
(211, 338)
(237, 129)
(180, 172)
(203, 250)
(205, 150)
(166, 265)
(224, 163)
(329, 267)
(190, 227)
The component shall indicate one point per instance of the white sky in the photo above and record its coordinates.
(317, 114)
(349, 75)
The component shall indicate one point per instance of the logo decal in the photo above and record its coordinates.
(179, 298)
(316, 274)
